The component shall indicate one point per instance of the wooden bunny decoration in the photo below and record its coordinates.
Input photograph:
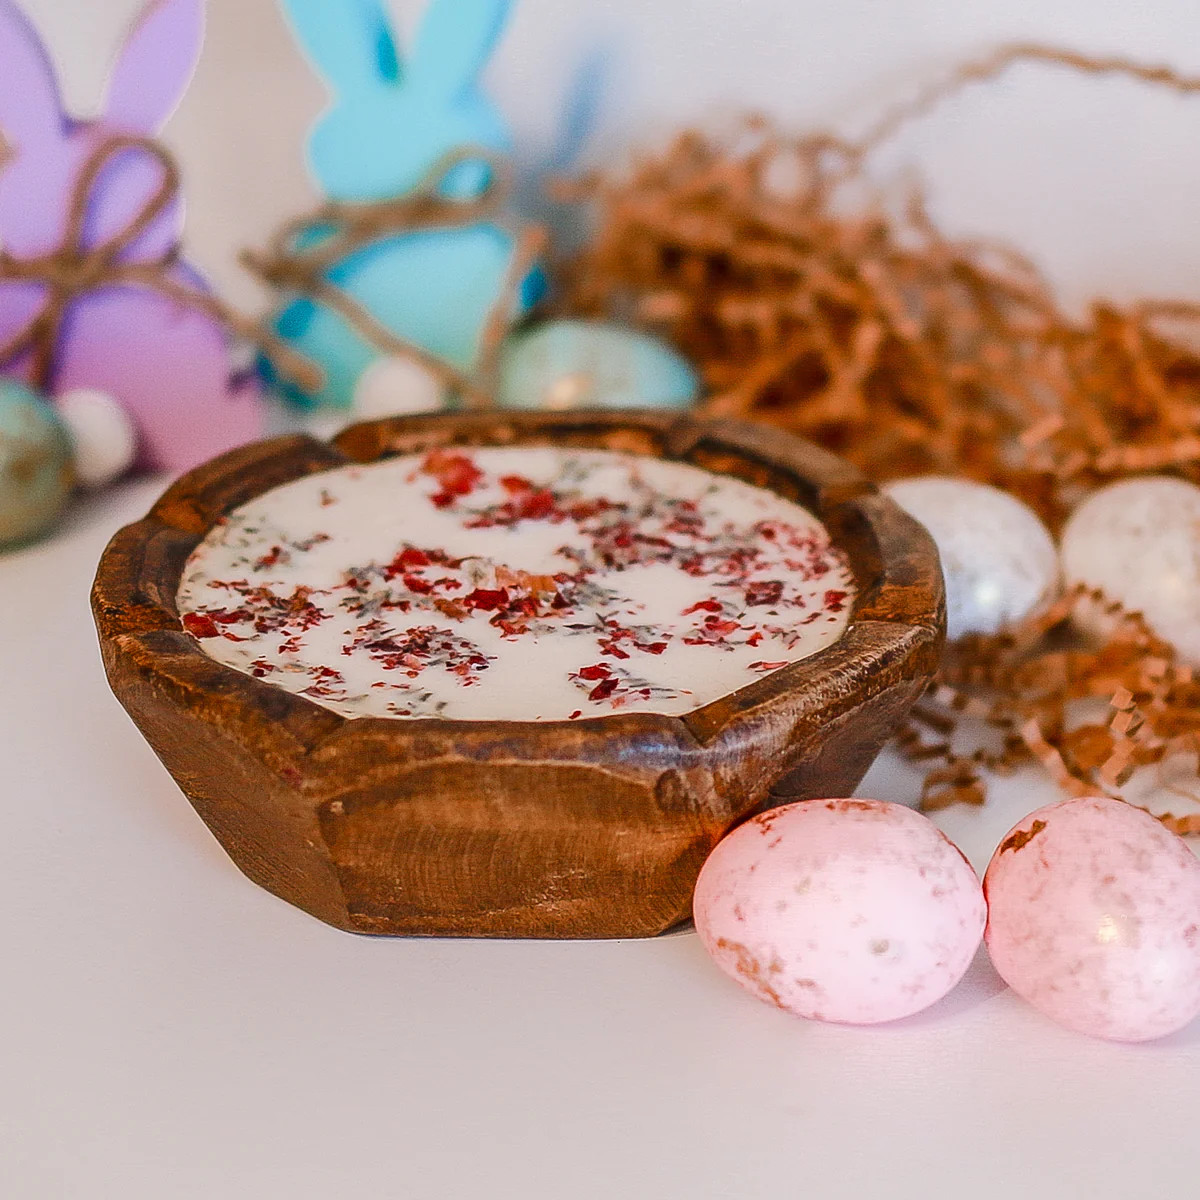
(93, 294)
(443, 282)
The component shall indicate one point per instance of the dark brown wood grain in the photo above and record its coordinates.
(591, 828)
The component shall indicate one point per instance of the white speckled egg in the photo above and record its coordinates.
(1094, 918)
(102, 435)
(998, 558)
(1138, 541)
(841, 910)
(395, 386)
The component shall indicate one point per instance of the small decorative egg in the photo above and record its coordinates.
(395, 386)
(36, 472)
(855, 911)
(587, 364)
(998, 558)
(102, 435)
(1094, 918)
(1138, 541)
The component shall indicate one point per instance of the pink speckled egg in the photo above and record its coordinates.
(841, 910)
(1094, 918)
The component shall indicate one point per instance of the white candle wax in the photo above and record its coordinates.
(524, 583)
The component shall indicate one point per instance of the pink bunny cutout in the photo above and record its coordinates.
(78, 304)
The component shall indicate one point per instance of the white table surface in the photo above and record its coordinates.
(170, 1031)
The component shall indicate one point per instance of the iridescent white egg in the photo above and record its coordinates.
(855, 911)
(396, 386)
(999, 560)
(1094, 918)
(1138, 541)
(102, 435)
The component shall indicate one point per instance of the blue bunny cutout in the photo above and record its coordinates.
(390, 123)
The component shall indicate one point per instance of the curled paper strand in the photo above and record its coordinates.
(1026, 685)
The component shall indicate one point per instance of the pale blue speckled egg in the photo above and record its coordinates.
(588, 364)
(36, 468)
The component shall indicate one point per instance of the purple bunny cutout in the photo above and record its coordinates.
(167, 362)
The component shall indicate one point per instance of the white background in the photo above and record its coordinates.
(1098, 179)
(172, 1032)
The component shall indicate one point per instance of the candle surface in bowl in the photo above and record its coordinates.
(522, 583)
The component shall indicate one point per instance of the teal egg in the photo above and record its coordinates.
(36, 467)
(589, 364)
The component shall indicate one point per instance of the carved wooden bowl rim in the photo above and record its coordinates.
(897, 572)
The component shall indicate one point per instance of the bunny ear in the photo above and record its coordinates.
(30, 104)
(455, 40)
(349, 41)
(155, 64)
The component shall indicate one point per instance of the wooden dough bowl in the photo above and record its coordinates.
(588, 828)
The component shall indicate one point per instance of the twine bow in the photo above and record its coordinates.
(74, 268)
(352, 227)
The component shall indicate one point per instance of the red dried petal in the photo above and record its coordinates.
(720, 627)
(604, 689)
(536, 505)
(487, 599)
(768, 591)
(200, 626)
(457, 474)
(411, 557)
